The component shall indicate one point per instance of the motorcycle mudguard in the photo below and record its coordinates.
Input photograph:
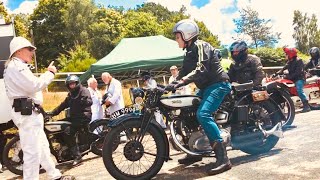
(246, 96)
(135, 116)
(93, 123)
(275, 86)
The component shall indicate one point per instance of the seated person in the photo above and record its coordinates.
(314, 62)
(246, 67)
(79, 101)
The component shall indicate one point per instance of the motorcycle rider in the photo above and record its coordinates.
(79, 101)
(24, 91)
(314, 61)
(296, 74)
(246, 67)
(202, 66)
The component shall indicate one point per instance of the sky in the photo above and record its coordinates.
(218, 15)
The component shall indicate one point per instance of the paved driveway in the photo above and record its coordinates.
(296, 156)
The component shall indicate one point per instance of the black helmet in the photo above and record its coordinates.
(145, 75)
(314, 53)
(242, 48)
(71, 79)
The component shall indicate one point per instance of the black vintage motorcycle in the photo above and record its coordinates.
(248, 119)
(89, 140)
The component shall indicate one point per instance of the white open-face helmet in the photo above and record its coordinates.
(188, 29)
(19, 43)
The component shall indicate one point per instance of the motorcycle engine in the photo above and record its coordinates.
(64, 153)
(199, 141)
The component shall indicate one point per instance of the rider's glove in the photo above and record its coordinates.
(170, 87)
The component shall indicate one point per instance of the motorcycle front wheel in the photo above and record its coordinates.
(131, 158)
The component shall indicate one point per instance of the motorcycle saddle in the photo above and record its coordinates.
(243, 86)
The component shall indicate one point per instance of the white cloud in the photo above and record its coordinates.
(26, 7)
(280, 12)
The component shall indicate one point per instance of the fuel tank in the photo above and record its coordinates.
(56, 126)
(179, 101)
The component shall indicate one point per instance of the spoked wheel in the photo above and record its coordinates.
(13, 156)
(134, 158)
(99, 130)
(288, 109)
(268, 116)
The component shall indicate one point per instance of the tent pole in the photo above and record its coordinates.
(164, 80)
(138, 83)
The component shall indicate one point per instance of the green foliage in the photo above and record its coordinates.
(306, 32)
(258, 29)
(270, 56)
(77, 17)
(21, 25)
(78, 59)
(207, 36)
(49, 32)
(106, 32)
(140, 24)
(4, 13)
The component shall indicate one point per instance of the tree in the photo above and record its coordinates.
(4, 13)
(49, 31)
(77, 17)
(105, 32)
(77, 59)
(306, 32)
(168, 19)
(140, 24)
(256, 28)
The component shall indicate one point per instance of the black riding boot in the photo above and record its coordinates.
(222, 161)
(78, 158)
(306, 107)
(188, 159)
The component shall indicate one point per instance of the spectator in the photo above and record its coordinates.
(96, 108)
(184, 90)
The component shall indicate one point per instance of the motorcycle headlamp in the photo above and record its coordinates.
(136, 95)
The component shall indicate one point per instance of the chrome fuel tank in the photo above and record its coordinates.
(179, 101)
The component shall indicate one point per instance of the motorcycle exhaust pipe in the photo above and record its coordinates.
(276, 131)
(239, 145)
(248, 137)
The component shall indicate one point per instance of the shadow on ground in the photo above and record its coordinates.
(198, 170)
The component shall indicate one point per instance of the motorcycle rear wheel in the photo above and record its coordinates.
(100, 127)
(288, 108)
(13, 157)
(134, 159)
(264, 145)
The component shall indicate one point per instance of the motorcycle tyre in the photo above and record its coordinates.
(289, 120)
(6, 160)
(94, 149)
(108, 150)
(271, 140)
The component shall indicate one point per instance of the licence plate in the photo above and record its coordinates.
(123, 111)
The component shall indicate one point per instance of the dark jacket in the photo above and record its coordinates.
(249, 70)
(312, 64)
(201, 66)
(296, 70)
(79, 102)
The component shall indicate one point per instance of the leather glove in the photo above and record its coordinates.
(170, 87)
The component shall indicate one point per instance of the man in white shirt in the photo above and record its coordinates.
(184, 90)
(115, 102)
(96, 108)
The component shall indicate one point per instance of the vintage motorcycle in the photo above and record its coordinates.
(248, 119)
(88, 139)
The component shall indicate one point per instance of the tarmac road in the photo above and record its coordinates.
(296, 156)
